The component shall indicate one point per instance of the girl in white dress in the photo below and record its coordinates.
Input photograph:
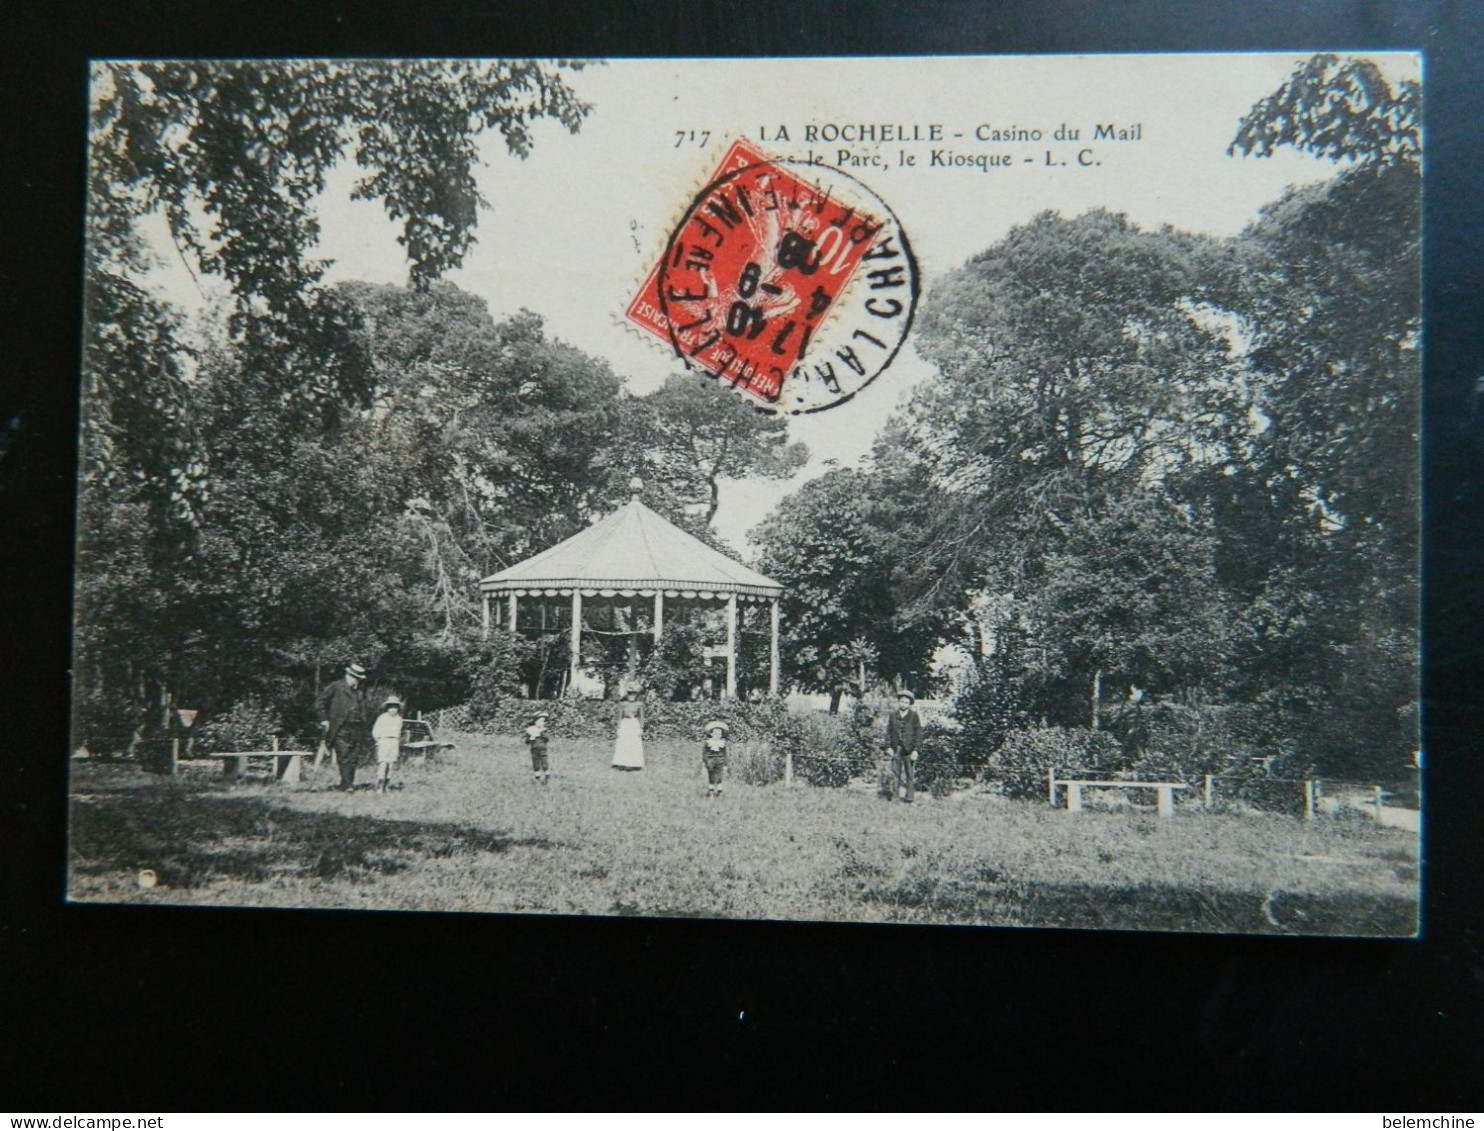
(628, 749)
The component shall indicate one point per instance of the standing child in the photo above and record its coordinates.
(714, 756)
(903, 732)
(536, 740)
(387, 731)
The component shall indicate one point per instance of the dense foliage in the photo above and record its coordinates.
(1163, 492)
(306, 474)
(1161, 496)
(687, 436)
(827, 546)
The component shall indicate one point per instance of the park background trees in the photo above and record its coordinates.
(224, 498)
(1163, 485)
(300, 473)
(304, 473)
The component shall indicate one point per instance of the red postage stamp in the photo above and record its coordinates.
(792, 282)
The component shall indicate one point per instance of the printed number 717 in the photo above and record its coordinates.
(692, 137)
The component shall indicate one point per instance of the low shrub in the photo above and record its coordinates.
(495, 677)
(1157, 765)
(1271, 795)
(565, 718)
(1021, 763)
(986, 709)
(839, 748)
(755, 763)
(829, 750)
(1273, 784)
(249, 724)
(1183, 743)
(764, 720)
(939, 771)
(106, 724)
(598, 718)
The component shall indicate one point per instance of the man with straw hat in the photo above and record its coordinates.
(342, 713)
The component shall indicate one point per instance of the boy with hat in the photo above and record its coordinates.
(387, 731)
(903, 731)
(536, 740)
(714, 756)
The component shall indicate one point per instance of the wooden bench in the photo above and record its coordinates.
(1164, 791)
(423, 749)
(234, 764)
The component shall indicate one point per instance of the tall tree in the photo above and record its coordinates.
(1329, 285)
(366, 538)
(690, 434)
(233, 156)
(1074, 355)
(1345, 109)
(1329, 292)
(1128, 597)
(508, 437)
(1083, 369)
(828, 545)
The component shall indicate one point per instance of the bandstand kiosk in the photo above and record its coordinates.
(640, 564)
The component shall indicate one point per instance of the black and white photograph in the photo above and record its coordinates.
(963, 491)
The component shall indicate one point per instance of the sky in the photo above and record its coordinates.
(571, 231)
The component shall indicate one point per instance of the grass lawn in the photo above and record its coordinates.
(472, 832)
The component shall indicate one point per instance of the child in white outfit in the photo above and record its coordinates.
(387, 731)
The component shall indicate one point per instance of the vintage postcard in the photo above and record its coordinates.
(973, 491)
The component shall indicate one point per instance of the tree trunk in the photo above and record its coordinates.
(541, 673)
(715, 501)
(977, 652)
(835, 701)
(1097, 695)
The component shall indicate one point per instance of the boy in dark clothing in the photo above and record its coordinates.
(714, 756)
(536, 740)
(903, 731)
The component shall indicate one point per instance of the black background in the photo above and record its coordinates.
(120, 1009)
